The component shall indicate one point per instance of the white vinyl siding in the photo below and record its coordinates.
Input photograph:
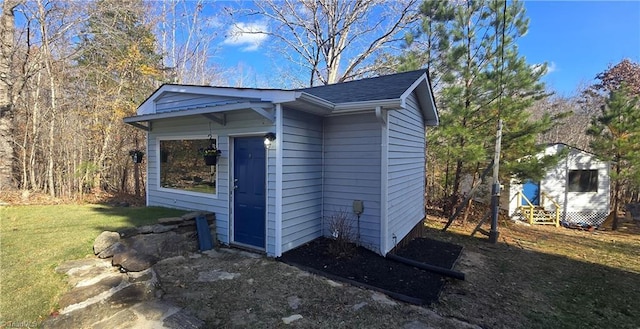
(352, 148)
(244, 122)
(406, 171)
(556, 182)
(301, 178)
(575, 206)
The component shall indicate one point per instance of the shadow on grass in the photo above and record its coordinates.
(544, 278)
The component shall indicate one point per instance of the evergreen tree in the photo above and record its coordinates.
(616, 134)
(427, 45)
(470, 47)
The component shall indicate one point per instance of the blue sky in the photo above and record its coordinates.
(578, 39)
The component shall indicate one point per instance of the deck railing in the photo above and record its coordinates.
(545, 196)
(529, 211)
(523, 209)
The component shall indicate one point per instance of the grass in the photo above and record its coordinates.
(36, 239)
(546, 277)
(535, 277)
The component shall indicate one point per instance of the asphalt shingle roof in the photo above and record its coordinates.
(378, 88)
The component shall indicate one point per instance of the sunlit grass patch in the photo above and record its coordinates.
(35, 239)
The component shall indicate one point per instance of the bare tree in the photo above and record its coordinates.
(573, 121)
(333, 40)
(7, 152)
(187, 41)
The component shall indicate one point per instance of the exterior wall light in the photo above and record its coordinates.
(268, 140)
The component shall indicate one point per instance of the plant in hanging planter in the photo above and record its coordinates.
(210, 155)
(136, 156)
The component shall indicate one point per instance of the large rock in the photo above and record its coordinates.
(131, 295)
(104, 241)
(126, 318)
(128, 232)
(80, 294)
(110, 301)
(163, 245)
(156, 228)
(113, 249)
(170, 220)
(80, 264)
(139, 252)
(134, 261)
(86, 271)
(104, 296)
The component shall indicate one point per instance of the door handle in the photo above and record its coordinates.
(235, 183)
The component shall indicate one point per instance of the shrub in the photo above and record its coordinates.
(340, 225)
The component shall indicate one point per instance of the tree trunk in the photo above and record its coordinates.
(455, 194)
(51, 181)
(7, 151)
(616, 195)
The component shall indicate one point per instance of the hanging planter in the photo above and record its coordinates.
(164, 156)
(136, 156)
(210, 160)
(211, 155)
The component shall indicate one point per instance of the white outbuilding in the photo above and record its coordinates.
(574, 192)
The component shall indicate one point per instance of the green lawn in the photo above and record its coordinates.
(535, 277)
(35, 239)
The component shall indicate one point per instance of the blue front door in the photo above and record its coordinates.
(531, 190)
(249, 199)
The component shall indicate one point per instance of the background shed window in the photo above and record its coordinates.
(583, 181)
(182, 166)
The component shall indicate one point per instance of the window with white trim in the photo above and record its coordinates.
(182, 165)
(583, 181)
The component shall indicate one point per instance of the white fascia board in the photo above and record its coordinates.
(314, 100)
(269, 95)
(198, 111)
(425, 99)
(414, 85)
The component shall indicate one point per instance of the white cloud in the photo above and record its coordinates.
(213, 23)
(551, 67)
(247, 35)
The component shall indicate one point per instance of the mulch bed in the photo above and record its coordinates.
(367, 269)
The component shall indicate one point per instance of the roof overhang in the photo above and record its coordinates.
(215, 113)
(267, 95)
(421, 87)
(262, 102)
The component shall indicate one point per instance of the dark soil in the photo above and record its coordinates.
(365, 268)
(432, 252)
